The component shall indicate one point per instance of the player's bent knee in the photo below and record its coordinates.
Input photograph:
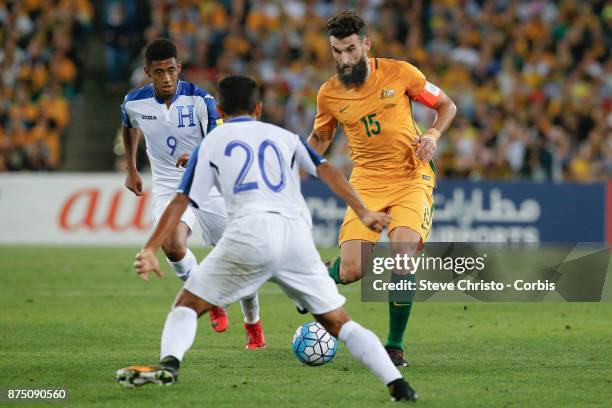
(188, 299)
(350, 271)
(404, 235)
(333, 321)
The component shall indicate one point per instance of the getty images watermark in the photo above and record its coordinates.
(486, 272)
(406, 264)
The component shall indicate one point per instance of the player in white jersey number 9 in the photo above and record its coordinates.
(174, 116)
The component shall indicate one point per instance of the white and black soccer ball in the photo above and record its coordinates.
(313, 345)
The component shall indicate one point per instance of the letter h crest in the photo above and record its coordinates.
(182, 116)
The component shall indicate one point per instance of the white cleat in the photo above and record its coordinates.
(137, 375)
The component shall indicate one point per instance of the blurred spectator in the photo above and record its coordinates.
(120, 19)
(40, 73)
(582, 167)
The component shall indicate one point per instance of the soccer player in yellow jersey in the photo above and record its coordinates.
(371, 98)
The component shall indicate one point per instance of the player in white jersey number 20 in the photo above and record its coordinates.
(174, 116)
(268, 236)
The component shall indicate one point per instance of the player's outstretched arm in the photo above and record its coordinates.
(320, 141)
(445, 112)
(340, 186)
(133, 182)
(146, 261)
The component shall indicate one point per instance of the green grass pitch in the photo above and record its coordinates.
(70, 317)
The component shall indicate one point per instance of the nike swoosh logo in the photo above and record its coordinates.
(343, 109)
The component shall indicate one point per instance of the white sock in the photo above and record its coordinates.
(365, 347)
(179, 332)
(250, 309)
(184, 267)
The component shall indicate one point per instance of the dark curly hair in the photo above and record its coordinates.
(346, 23)
(160, 49)
(238, 94)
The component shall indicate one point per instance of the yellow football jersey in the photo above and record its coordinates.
(377, 120)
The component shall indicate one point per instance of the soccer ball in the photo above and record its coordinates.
(313, 345)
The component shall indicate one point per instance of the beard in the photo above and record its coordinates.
(358, 73)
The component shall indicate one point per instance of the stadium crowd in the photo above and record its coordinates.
(532, 79)
(40, 73)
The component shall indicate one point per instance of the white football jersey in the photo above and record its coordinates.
(170, 132)
(255, 165)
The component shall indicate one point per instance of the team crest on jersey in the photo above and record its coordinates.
(427, 216)
(182, 115)
(387, 93)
